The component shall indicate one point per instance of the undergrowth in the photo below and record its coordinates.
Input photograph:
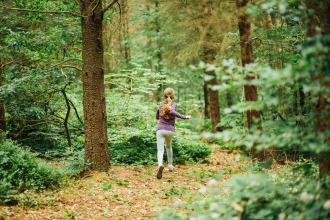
(22, 173)
(139, 147)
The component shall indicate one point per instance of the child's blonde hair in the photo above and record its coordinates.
(167, 106)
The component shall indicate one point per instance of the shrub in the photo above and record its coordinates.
(20, 170)
(259, 196)
(139, 147)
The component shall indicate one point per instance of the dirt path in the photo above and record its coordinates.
(126, 192)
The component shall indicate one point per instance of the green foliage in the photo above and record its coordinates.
(261, 196)
(139, 147)
(287, 91)
(21, 170)
(37, 48)
(73, 165)
(204, 175)
(131, 119)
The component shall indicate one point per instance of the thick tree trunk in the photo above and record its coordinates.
(321, 19)
(250, 91)
(94, 103)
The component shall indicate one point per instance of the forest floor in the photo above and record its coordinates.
(125, 192)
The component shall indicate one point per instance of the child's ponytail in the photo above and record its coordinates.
(167, 106)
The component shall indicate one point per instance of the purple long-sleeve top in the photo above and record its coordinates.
(168, 124)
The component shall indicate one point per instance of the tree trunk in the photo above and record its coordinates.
(299, 104)
(209, 51)
(125, 31)
(250, 91)
(213, 98)
(2, 106)
(206, 101)
(94, 104)
(321, 19)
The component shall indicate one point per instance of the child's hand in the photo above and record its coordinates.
(188, 117)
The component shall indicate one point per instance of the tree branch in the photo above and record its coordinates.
(70, 66)
(43, 11)
(119, 19)
(109, 6)
(75, 109)
(2, 65)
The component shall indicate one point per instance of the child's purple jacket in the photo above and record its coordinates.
(168, 124)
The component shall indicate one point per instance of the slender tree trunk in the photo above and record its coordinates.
(206, 101)
(321, 19)
(125, 31)
(213, 96)
(250, 91)
(66, 119)
(94, 104)
(2, 106)
(299, 103)
(209, 50)
(159, 56)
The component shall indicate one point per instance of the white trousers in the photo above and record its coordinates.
(164, 138)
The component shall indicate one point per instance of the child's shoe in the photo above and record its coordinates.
(170, 167)
(160, 172)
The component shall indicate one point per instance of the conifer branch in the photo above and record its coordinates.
(43, 11)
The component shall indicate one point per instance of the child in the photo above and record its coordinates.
(166, 115)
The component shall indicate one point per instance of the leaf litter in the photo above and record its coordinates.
(126, 192)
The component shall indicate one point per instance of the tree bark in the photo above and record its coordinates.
(125, 31)
(250, 91)
(2, 106)
(321, 19)
(206, 101)
(94, 103)
(209, 52)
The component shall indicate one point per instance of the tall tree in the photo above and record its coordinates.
(319, 24)
(94, 103)
(210, 50)
(250, 91)
(116, 37)
(125, 31)
(2, 106)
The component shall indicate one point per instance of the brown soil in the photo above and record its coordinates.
(126, 192)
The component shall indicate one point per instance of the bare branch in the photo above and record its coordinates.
(98, 2)
(70, 66)
(75, 109)
(64, 61)
(120, 19)
(109, 6)
(43, 11)
(2, 65)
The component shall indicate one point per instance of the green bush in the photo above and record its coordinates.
(135, 146)
(21, 170)
(258, 196)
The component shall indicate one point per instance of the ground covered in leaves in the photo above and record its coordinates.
(125, 192)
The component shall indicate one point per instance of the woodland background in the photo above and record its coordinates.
(81, 82)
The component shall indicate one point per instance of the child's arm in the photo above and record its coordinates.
(177, 114)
